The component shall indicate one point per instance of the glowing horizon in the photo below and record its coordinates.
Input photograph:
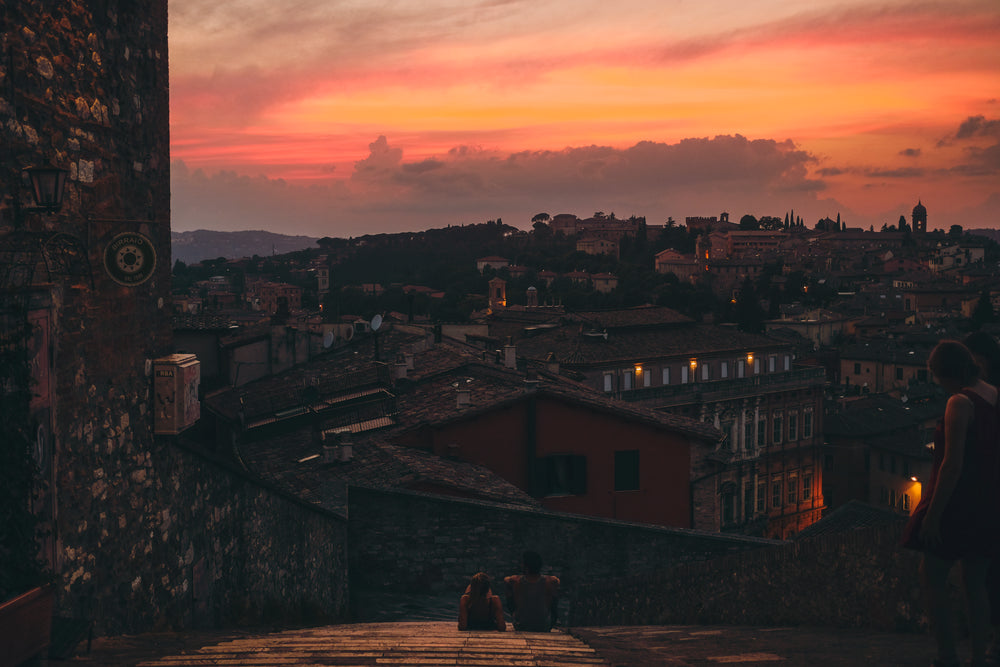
(422, 102)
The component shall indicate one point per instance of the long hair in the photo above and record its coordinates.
(950, 360)
(479, 586)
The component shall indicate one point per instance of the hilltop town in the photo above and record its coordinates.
(715, 421)
(787, 361)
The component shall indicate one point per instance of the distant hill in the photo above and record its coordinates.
(993, 234)
(190, 247)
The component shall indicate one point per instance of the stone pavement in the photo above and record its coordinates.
(429, 643)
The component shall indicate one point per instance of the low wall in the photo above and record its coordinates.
(190, 542)
(856, 579)
(409, 542)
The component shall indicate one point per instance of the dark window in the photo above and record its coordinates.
(776, 494)
(857, 368)
(627, 470)
(728, 508)
(561, 475)
(828, 464)
(922, 375)
(899, 373)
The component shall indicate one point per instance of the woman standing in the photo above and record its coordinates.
(957, 519)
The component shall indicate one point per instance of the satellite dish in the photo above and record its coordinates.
(376, 322)
(328, 339)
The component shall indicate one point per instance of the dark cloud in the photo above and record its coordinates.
(904, 172)
(467, 184)
(978, 126)
(981, 160)
(830, 171)
(910, 152)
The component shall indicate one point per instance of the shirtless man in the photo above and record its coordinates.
(532, 597)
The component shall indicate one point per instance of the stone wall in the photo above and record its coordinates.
(196, 544)
(140, 533)
(858, 579)
(414, 543)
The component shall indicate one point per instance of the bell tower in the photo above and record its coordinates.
(919, 218)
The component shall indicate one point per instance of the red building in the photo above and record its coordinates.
(765, 474)
(573, 450)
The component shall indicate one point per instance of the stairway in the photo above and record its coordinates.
(413, 643)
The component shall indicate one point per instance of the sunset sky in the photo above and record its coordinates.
(347, 117)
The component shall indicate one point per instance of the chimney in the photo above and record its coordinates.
(531, 380)
(464, 397)
(551, 363)
(510, 356)
(330, 453)
(346, 441)
(408, 356)
(399, 370)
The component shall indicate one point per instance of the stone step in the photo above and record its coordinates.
(412, 644)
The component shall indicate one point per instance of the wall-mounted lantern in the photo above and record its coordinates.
(694, 365)
(47, 187)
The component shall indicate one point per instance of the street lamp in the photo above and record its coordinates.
(47, 186)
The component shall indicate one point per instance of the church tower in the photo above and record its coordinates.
(919, 218)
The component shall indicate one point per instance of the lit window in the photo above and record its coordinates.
(609, 382)
(684, 374)
(724, 369)
(771, 363)
(704, 372)
(666, 375)
(627, 377)
(788, 362)
(740, 368)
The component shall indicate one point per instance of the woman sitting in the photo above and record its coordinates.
(479, 609)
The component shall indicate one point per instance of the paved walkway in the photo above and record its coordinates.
(427, 643)
(415, 643)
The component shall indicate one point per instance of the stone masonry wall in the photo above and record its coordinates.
(415, 543)
(857, 578)
(199, 545)
(141, 534)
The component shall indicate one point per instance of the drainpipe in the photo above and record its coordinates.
(531, 444)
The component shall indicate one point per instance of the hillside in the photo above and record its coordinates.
(195, 246)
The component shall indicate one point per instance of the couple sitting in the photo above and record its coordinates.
(531, 597)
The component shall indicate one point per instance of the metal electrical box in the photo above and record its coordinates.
(175, 393)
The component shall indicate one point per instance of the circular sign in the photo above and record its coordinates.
(130, 259)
